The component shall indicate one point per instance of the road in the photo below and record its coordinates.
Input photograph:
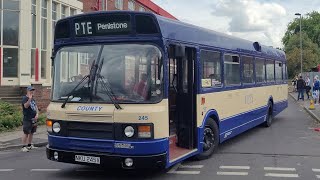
(289, 149)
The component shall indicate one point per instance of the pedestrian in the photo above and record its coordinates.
(308, 87)
(315, 90)
(30, 117)
(301, 85)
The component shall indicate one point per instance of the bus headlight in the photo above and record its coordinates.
(129, 131)
(56, 127)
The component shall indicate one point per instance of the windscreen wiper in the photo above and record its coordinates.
(106, 86)
(74, 89)
(93, 67)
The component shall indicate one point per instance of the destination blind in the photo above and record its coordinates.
(102, 25)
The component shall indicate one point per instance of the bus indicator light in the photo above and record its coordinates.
(144, 131)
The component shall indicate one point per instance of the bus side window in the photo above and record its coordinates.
(260, 70)
(211, 69)
(231, 70)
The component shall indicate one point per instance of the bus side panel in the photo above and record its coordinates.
(240, 109)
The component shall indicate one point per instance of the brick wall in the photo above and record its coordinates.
(88, 4)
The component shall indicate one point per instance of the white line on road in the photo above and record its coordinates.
(191, 166)
(174, 168)
(6, 170)
(316, 170)
(184, 172)
(318, 176)
(233, 173)
(235, 167)
(279, 169)
(281, 175)
(43, 170)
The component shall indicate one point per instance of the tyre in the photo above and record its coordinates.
(210, 140)
(269, 118)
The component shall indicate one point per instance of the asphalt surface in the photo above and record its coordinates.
(289, 149)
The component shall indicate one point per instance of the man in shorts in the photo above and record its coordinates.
(30, 117)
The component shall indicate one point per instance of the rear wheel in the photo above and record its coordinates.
(210, 139)
(269, 117)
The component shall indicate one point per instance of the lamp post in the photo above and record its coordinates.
(298, 14)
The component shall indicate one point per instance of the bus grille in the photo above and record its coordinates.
(90, 130)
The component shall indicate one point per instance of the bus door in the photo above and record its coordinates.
(182, 96)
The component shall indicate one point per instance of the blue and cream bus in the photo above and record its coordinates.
(137, 90)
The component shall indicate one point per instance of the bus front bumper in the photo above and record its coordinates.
(107, 160)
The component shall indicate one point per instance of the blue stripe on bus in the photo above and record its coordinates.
(235, 125)
(157, 146)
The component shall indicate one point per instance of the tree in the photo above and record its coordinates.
(310, 52)
(309, 24)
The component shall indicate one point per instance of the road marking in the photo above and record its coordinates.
(318, 176)
(6, 170)
(279, 169)
(316, 170)
(184, 172)
(173, 170)
(233, 173)
(281, 175)
(191, 166)
(235, 167)
(42, 170)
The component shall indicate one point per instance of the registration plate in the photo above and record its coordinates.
(87, 159)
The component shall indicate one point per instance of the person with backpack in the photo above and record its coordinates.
(301, 85)
(315, 90)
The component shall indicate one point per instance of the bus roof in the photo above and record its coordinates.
(184, 32)
(177, 30)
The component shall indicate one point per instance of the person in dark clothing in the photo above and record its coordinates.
(30, 117)
(301, 85)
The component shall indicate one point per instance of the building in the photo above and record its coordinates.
(26, 39)
(131, 5)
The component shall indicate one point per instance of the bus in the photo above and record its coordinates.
(136, 90)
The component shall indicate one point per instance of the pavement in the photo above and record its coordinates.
(12, 139)
(315, 113)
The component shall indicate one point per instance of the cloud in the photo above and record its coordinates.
(249, 15)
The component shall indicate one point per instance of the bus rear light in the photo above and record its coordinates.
(144, 132)
(49, 125)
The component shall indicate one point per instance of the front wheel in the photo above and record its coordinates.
(210, 140)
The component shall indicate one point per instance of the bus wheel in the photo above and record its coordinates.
(210, 140)
(269, 120)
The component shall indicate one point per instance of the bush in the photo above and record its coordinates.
(11, 117)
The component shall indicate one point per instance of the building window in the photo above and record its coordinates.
(142, 9)
(260, 70)
(44, 38)
(104, 5)
(131, 5)
(33, 60)
(72, 12)
(211, 68)
(278, 69)
(119, 4)
(10, 62)
(54, 17)
(11, 23)
(34, 23)
(270, 70)
(247, 69)
(231, 70)
(63, 11)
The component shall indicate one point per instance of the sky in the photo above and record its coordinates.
(264, 21)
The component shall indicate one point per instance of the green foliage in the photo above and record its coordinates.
(310, 43)
(11, 117)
